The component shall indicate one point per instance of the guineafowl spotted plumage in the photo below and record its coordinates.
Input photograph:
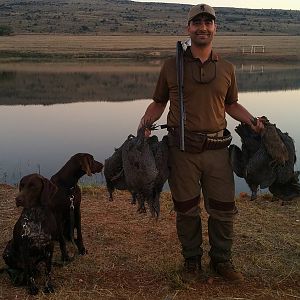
(266, 160)
(140, 166)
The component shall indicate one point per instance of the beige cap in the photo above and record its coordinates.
(201, 9)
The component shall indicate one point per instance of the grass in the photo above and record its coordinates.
(131, 256)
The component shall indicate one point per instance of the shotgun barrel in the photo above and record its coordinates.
(179, 68)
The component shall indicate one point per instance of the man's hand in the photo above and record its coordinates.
(147, 130)
(257, 124)
(152, 114)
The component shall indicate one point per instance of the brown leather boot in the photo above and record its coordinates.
(191, 269)
(227, 271)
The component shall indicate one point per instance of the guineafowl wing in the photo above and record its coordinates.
(287, 191)
(153, 143)
(161, 161)
(237, 161)
(274, 144)
(259, 169)
(285, 171)
(113, 165)
(113, 170)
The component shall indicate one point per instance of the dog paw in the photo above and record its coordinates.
(33, 290)
(141, 210)
(82, 251)
(80, 247)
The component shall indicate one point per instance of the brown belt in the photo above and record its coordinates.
(196, 142)
(215, 134)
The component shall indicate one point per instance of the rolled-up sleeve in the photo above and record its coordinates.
(232, 93)
(161, 93)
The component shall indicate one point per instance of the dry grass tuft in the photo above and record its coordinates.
(131, 256)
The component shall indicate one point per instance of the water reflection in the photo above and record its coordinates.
(257, 77)
(23, 87)
(52, 88)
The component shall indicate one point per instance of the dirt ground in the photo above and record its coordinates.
(131, 256)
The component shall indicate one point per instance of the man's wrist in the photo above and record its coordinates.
(253, 120)
(142, 122)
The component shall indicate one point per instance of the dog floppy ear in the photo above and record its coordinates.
(49, 190)
(86, 165)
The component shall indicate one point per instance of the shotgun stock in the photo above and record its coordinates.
(179, 68)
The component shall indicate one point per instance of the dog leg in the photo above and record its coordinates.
(48, 288)
(32, 287)
(134, 196)
(79, 240)
(29, 271)
(62, 245)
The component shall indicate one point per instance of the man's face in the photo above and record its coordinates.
(201, 30)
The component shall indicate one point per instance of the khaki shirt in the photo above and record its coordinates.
(204, 103)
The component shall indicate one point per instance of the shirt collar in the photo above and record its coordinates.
(188, 54)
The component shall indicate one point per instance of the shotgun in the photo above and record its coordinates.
(179, 69)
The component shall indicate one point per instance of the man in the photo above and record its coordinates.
(209, 91)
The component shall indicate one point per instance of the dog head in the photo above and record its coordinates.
(88, 164)
(35, 190)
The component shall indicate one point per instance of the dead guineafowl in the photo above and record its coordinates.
(266, 160)
(114, 172)
(145, 169)
(139, 166)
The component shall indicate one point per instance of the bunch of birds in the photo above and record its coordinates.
(266, 160)
(140, 166)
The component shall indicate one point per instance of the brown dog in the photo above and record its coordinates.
(66, 202)
(33, 233)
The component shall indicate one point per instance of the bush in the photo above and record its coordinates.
(5, 30)
(84, 28)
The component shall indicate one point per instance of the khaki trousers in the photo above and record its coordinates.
(211, 173)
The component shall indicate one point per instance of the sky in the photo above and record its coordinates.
(286, 4)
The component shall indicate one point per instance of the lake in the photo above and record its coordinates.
(50, 112)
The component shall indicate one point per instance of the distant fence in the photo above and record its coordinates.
(252, 68)
(252, 49)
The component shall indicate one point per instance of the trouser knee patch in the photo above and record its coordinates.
(184, 206)
(222, 206)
